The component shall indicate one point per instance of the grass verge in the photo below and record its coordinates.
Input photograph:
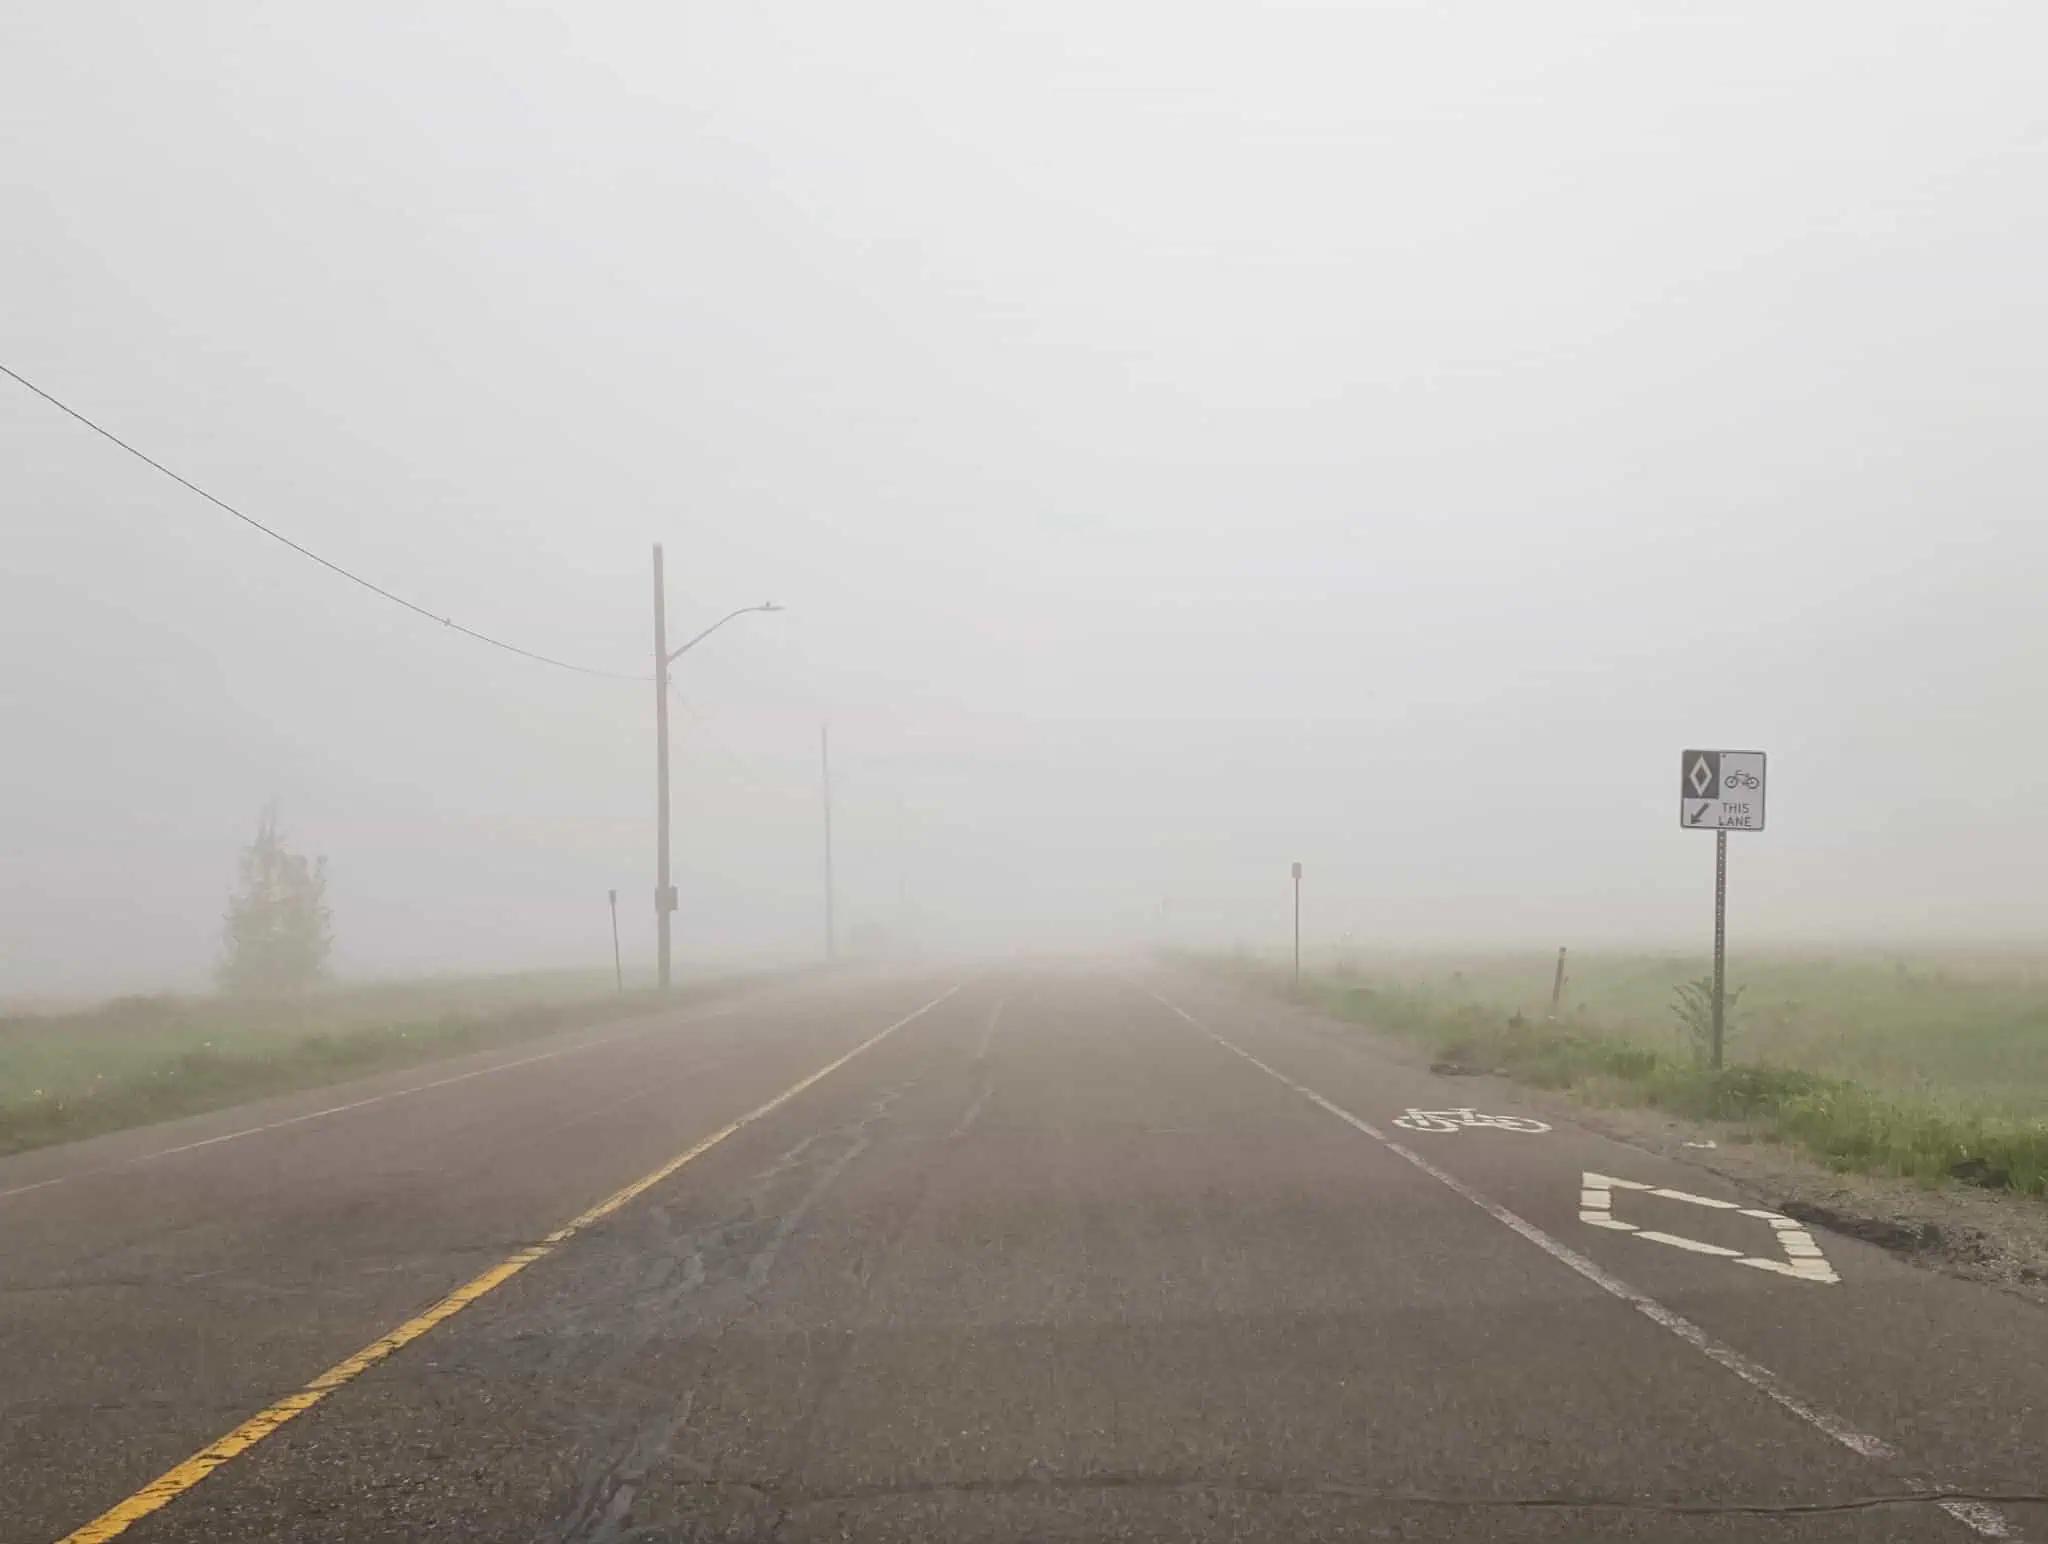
(139, 1060)
(1848, 1125)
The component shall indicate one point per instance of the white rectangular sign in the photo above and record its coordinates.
(1721, 790)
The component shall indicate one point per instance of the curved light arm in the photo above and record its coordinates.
(715, 626)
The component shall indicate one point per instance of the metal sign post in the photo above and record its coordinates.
(1720, 941)
(618, 970)
(1297, 928)
(1721, 791)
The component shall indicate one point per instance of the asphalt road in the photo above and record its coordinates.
(1038, 1253)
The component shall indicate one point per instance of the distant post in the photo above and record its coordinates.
(618, 970)
(1721, 791)
(825, 789)
(1557, 985)
(1297, 928)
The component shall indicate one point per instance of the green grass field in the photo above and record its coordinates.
(141, 1059)
(1925, 1063)
(1928, 1023)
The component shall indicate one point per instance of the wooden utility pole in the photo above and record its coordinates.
(1557, 985)
(664, 892)
(825, 782)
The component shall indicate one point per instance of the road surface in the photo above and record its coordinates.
(1044, 1253)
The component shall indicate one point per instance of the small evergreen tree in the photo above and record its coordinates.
(276, 929)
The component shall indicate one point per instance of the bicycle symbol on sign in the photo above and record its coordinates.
(1740, 780)
(1469, 1119)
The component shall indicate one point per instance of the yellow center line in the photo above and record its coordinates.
(174, 1482)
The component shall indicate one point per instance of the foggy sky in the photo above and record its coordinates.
(1186, 438)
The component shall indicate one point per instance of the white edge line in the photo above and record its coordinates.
(172, 1484)
(1980, 1517)
(356, 1104)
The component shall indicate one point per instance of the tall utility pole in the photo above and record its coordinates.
(664, 656)
(825, 780)
(664, 892)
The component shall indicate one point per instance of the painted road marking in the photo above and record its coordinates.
(1979, 1517)
(1467, 1119)
(1803, 1258)
(174, 1482)
(988, 1034)
(359, 1104)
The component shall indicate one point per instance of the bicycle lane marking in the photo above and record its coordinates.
(1465, 1118)
(181, 1477)
(1979, 1517)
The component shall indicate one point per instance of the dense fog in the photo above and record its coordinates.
(1185, 440)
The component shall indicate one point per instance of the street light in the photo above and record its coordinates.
(676, 654)
(664, 890)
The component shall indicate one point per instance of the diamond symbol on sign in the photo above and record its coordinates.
(1700, 777)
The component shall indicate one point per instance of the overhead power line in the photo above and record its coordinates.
(308, 552)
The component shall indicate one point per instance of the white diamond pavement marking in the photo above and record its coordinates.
(1803, 1258)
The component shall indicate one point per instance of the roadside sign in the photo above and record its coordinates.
(1721, 790)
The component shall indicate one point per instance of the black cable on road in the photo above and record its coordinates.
(308, 552)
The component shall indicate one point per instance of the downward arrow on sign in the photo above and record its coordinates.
(1803, 1260)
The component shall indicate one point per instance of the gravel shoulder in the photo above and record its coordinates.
(1991, 1236)
(1996, 1237)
